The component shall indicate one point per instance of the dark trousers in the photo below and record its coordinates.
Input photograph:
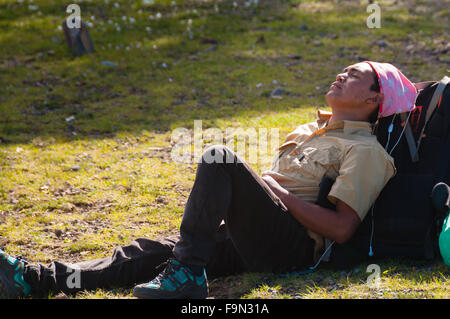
(259, 234)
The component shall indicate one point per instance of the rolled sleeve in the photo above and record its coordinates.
(363, 173)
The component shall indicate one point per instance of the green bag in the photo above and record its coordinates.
(444, 241)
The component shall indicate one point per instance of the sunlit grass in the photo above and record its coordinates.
(85, 142)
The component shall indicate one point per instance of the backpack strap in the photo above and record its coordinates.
(408, 131)
(410, 138)
(422, 85)
(432, 106)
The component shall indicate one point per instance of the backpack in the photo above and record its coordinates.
(402, 222)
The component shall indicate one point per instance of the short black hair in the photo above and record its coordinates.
(374, 87)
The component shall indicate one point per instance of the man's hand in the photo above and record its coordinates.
(275, 187)
(337, 225)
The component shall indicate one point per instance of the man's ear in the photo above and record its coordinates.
(376, 99)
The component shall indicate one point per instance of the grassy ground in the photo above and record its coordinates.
(85, 142)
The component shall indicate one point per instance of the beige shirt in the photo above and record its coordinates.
(345, 151)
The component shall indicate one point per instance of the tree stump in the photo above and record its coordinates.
(78, 39)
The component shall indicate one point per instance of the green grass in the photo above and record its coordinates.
(74, 189)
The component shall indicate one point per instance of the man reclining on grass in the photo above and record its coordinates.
(271, 222)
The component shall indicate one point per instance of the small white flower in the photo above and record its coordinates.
(116, 5)
(148, 29)
(259, 85)
(158, 15)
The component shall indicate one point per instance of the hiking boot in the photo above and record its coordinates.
(177, 281)
(12, 284)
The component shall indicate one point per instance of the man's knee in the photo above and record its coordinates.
(218, 154)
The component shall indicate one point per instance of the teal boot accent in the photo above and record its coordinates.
(444, 241)
(177, 281)
(12, 283)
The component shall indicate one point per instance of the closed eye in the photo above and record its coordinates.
(351, 72)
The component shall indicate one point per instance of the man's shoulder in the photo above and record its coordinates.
(369, 145)
(305, 129)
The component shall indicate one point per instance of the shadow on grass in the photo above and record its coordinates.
(399, 277)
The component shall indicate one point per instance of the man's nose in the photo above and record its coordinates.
(340, 77)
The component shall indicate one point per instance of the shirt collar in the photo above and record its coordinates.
(322, 118)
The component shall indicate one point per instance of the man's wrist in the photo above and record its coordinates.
(285, 196)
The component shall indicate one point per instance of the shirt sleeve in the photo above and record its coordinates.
(363, 173)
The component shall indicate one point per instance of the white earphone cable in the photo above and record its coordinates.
(390, 129)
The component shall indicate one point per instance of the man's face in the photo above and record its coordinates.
(351, 90)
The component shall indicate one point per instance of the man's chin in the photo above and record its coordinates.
(330, 96)
(334, 100)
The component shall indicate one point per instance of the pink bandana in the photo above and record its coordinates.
(399, 93)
